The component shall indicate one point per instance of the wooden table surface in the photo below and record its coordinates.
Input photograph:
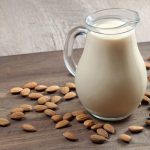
(28, 26)
(48, 68)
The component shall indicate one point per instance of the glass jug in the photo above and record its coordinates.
(111, 76)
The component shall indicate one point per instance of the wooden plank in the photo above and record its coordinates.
(48, 68)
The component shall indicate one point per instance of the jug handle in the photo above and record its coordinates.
(68, 49)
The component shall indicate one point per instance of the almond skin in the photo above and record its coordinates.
(77, 112)
(49, 112)
(125, 138)
(56, 118)
(147, 93)
(64, 90)
(39, 108)
(62, 124)
(97, 139)
(70, 95)
(25, 92)
(109, 128)
(35, 96)
(68, 116)
(145, 100)
(70, 136)
(56, 99)
(28, 128)
(147, 122)
(15, 90)
(71, 85)
(30, 85)
(26, 107)
(51, 105)
(18, 109)
(82, 117)
(103, 133)
(4, 122)
(147, 64)
(89, 123)
(52, 89)
(17, 115)
(135, 129)
(41, 88)
(96, 126)
(42, 100)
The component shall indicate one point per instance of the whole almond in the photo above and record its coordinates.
(15, 90)
(70, 95)
(17, 115)
(39, 108)
(30, 85)
(35, 96)
(77, 112)
(28, 128)
(97, 139)
(147, 64)
(145, 100)
(40, 88)
(97, 126)
(16, 110)
(26, 107)
(147, 122)
(62, 124)
(82, 117)
(147, 93)
(102, 132)
(109, 128)
(52, 89)
(125, 138)
(51, 105)
(56, 99)
(88, 123)
(25, 92)
(42, 100)
(70, 136)
(68, 116)
(49, 112)
(70, 85)
(135, 129)
(4, 122)
(64, 90)
(56, 118)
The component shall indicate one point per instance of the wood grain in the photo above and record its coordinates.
(28, 26)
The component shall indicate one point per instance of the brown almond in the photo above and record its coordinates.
(147, 93)
(35, 96)
(16, 110)
(77, 112)
(64, 90)
(41, 88)
(51, 105)
(97, 139)
(125, 138)
(26, 107)
(145, 100)
(70, 95)
(4, 122)
(97, 126)
(68, 116)
(50, 112)
(147, 64)
(62, 124)
(70, 85)
(42, 100)
(82, 117)
(88, 123)
(135, 129)
(109, 128)
(30, 85)
(28, 128)
(17, 115)
(25, 92)
(147, 122)
(70, 136)
(56, 118)
(15, 90)
(52, 89)
(103, 133)
(39, 108)
(56, 99)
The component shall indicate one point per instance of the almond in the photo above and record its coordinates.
(17, 115)
(82, 117)
(70, 95)
(135, 129)
(125, 138)
(30, 85)
(96, 126)
(28, 128)
(41, 88)
(68, 116)
(56, 99)
(109, 128)
(64, 90)
(89, 123)
(42, 100)
(16, 110)
(35, 96)
(51, 105)
(97, 139)
(49, 112)
(15, 90)
(102, 132)
(25, 92)
(40, 108)
(62, 124)
(147, 122)
(145, 100)
(70, 85)
(147, 64)
(147, 93)
(56, 118)
(70, 136)
(26, 107)
(4, 122)
(77, 112)
(52, 89)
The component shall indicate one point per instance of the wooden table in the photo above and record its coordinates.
(48, 68)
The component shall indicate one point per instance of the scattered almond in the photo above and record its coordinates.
(147, 93)
(25, 92)
(28, 128)
(26, 107)
(125, 138)
(52, 89)
(30, 85)
(49, 112)
(40, 88)
(145, 100)
(96, 126)
(147, 64)
(40, 108)
(70, 95)
(97, 139)
(56, 118)
(4, 122)
(68, 116)
(17, 115)
(64, 90)
(109, 128)
(70, 85)
(77, 112)
(88, 123)
(103, 133)
(51, 105)
(18, 109)
(42, 100)
(147, 122)
(62, 124)
(15, 90)
(82, 117)
(135, 129)
(35, 96)
(70, 136)
(56, 99)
